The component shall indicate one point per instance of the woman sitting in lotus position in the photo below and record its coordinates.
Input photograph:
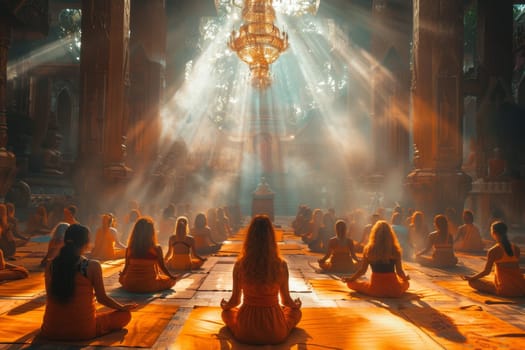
(181, 253)
(107, 245)
(72, 283)
(260, 276)
(340, 255)
(508, 279)
(201, 232)
(144, 269)
(11, 272)
(383, 254)
(440, 241)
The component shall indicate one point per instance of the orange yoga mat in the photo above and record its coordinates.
(27, 287)
(183, 289)
(320, 328)
(460, 328)
(22, 325)
(234, 248)
(462, 287)
(239, 236)
(331, 289)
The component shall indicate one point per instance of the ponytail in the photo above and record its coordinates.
(64, 267)
(500, 229)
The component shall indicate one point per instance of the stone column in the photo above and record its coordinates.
(104, 83)
(7, 159)
(147, 70)
(494, 47)
(104, 80)
(390, 46)
(437, 181)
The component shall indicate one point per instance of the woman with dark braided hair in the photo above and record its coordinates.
(72, 283)
(260, 275)
(508, 279)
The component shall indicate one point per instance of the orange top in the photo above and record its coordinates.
(74, 319)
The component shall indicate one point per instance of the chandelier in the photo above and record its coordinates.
(259, 42)
(286, 7)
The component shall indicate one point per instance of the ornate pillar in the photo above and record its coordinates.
(147, 69)
(7, 159)
(494, 47)
(390, 46)
(104, 82)
(437, 181)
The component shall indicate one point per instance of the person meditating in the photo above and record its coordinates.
(441, 243)
(9, 271)
(508, 279)
(144, 259)
(383, 254)
(468, 237)
(340, 254)
(201, 232)
(56, 241)
(107, 245)
(7, 239)
(72, 283)
(260, 275)
(181, 253)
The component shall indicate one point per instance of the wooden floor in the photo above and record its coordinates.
(431, 290)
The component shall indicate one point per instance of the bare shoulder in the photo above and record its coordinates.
(94, 265)
(495, 252)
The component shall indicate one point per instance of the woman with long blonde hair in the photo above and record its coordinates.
(181, 253)
(144, 269)
(260, 275)
(383, 254)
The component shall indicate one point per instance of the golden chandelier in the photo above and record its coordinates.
(259, 42)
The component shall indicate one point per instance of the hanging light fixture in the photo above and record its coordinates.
(259, 42)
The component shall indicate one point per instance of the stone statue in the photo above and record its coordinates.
(51, 155)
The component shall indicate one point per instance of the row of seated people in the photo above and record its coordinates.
(209, 230)
(343, 249)
(108, 246)
(260, 274)
(416, 241)
(414, 234)
(314, 227)
(383, 253)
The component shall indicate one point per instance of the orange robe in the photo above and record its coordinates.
(260, 319)
(383, 283)
(183, 262)
(104, 248)
(443, 254)
(77, 319)
(340, 260)
(508, 279)
(468, 239)
(143, 275)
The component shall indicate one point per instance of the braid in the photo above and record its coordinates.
(500, 229)
(64, 267)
